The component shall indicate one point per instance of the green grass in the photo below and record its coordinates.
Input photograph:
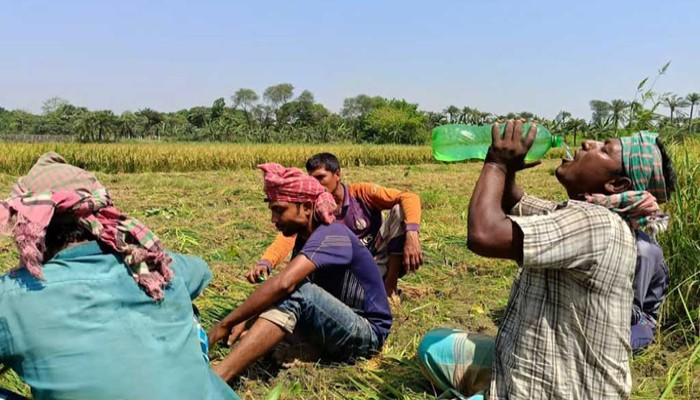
(682, 241)
(221, 217)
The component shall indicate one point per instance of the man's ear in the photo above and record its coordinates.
(338, 175)
(308, 207)
(618, 185)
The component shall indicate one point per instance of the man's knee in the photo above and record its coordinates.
(394, 231)
(454, 359)
(396, 212)
(434, 346)
(642, 335)
(285, 319)
(395, 221)
(288, 311)
(435, 352)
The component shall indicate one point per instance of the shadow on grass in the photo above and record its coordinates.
(388, 378)
(496, 314)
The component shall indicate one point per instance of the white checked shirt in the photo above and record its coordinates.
(566, 330)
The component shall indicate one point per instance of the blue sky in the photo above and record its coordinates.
(499, 56)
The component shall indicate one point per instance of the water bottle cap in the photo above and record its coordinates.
(556, 141)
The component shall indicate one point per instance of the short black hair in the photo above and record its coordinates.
(62, 231)
(667, 166)
(327, 161)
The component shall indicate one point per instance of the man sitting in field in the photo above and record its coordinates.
(98, 309)
(566, 330)
(331, 293)
(651, 280)
(393, 242)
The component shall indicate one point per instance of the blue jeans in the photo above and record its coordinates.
(326, 321)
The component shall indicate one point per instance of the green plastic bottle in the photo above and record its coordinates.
(457, 142)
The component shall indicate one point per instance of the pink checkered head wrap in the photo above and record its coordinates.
(294, 186)
(54, 187)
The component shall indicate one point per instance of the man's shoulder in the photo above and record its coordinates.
(583, 216)
(336, 228)
(335, 235)
(357, 187)
(186, 261)
(589, 209)
(63, 268)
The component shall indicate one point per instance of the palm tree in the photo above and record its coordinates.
(673, 102)
(485, 117)
(105, 122)
(470, 116)
(634, 107)
(576, 125)
(618, 109)
(434, 119)
(128, 124)
(475, 116)
(692, 99)
(453, 113)
(528, 115)
(84, 125)
(152, 117)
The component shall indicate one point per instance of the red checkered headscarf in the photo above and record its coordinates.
(54, 187)
(294, 186)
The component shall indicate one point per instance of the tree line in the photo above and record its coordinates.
(280, 117)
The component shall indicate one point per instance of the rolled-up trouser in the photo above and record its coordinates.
(322, 319)
(390, 240)
(456, 361)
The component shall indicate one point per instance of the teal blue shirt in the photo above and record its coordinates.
(89, 332)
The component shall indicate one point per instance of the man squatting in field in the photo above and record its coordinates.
(393, 242)
(565, 333)
(98, 309)
(331, 293)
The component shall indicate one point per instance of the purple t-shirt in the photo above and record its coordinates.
(347, 270)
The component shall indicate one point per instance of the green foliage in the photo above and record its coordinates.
(395, 122)
(217, 109)
(281, 118)
(682, 241)
(279, 94)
